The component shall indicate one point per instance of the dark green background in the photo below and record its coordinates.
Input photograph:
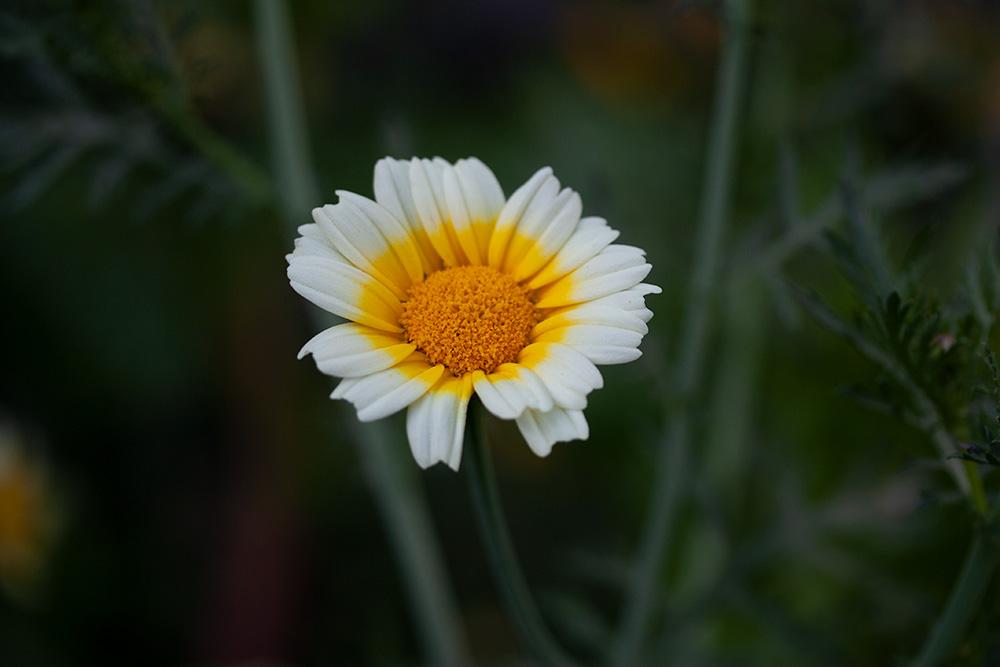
(210, 508)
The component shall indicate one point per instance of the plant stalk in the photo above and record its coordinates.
(672, 458)
(966, 596)
(403, 506)
(292, 163)
(400, 498)
(496, 536)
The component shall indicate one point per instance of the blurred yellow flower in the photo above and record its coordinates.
(27, 519)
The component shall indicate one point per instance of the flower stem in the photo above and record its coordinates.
(976, 490)
(390, 475)
(253, 182)
(292, 164)
(672, 460)
(176, 110)
(963, 603)
(401, 500)
(493, 528)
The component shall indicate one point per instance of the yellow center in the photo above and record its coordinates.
(468, 318)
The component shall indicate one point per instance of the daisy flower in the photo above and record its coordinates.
(452, 290)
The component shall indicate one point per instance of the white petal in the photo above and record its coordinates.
(590, 237)
(542, 230)
(312, 231)
(484, 197)
(567, 374)
(397, 233)
(614, 269)
(435, 424)
(515, 207)
(353, 350)
(427, 183)
(565, 359)
(609, 355)
(384, 393)
(591, 312)
(541, 430)
(344, 290)
(514, 377)
(357, 237)
(314, 242)
(460, 218)
(600, 344)
(394, 192)
(474, 200)
(537, 213)
(502, 398)
(631, 300)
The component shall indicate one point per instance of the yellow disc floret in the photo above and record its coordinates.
(468, 318)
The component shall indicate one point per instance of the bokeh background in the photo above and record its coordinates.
(176, 489)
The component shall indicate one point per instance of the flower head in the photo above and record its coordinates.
(452, 290)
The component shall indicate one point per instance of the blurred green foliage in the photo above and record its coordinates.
(210, 509)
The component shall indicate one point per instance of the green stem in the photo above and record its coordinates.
(881, 192)
(963, 603)
(671, 464)
(493, 527)
(744, 336)
(252, 180)
(401, 500)
(672, 459)
(928, 418)
(716, 193)
(289, 134)
(933, 424)
(175, 108)
(976, 489)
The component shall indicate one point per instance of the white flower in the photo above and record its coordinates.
(452, 290)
